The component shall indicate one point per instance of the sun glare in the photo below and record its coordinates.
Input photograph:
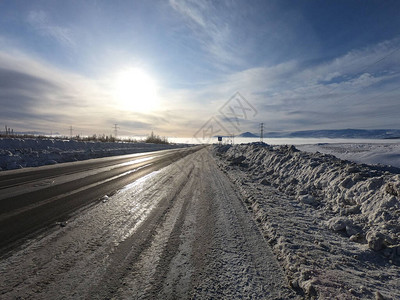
(135, 90)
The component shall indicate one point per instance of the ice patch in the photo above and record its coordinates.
(139, 182)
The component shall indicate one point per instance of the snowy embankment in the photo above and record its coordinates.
(334, 225)
(18, 153)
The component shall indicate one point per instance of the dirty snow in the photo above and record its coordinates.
(334, 225)
(16, 153)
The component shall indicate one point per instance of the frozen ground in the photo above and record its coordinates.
(334, 225)
(367, 153)
(181, 232)
(21, 153)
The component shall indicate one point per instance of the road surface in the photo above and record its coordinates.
(35, 198)
(178, 232)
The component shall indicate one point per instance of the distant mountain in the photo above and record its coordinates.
(334, 134)
(348, 133)
(248, 134)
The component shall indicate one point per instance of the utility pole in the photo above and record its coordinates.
(261, 132)
(115, 130)
(70, 131)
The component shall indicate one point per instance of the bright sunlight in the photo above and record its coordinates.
(135, 90)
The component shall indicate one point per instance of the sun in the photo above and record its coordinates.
(135, 90)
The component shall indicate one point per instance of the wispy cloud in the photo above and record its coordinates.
(212, 27)
(36, 96)
(42, 24)
(359, 89)
(332, 94)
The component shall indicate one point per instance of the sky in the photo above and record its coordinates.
(182, 67)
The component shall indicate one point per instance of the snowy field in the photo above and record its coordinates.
(333, 224)
(367, 153)
(21, 153)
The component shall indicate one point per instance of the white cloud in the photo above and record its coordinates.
(332, 94)
(45, 97)
(37, 96)
(213, 32)
(41, 23)
(287, 96)
(190, 9)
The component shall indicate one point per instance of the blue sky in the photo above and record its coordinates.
(300, 64)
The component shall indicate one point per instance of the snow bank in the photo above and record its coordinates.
(20, 153)
(334, 225)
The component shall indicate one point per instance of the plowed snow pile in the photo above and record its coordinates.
(18, 153)
(334, 225)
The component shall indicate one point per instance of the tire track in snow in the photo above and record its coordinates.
(131, 250)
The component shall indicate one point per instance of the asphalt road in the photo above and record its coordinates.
(179, 232)
(34, 199)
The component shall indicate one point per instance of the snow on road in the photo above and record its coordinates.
(333, 225)
(181, 232)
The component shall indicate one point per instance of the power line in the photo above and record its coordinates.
(346, 96)
(370, 65)
(376, 96)
(340, 99)
(379, 60)
(362, 70)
